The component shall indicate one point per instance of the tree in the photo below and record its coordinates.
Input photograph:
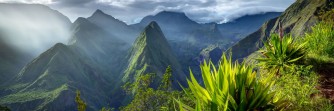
(81, 104)
(147, 98)
(166, 82)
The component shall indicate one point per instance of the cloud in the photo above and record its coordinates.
(199, 10)
(31, 30)
(27, 1)
(132, 11)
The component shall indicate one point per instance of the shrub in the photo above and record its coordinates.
(279, 53)
(150, 99)
(320, 40)
(232, 86)
(298, 86)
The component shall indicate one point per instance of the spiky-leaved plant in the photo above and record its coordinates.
(232, 86)
(279, 53)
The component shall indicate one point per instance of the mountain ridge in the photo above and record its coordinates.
(147, 56)
(100, 55)
(114, 26)
(18, 32)
(296, 20)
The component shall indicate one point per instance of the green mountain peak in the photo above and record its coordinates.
(151, 53)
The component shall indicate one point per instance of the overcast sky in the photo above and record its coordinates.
(132, 11)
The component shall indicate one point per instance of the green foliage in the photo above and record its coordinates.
(320, 40)
(326, 13)
(4, 108)
(301, 70)
(279, 53)
(233, 86)
(140, 85)
(298, 82)
(81, 104)
(298, 86)
(166, 83)
(107, 109)
(149, 99)
(37, 95)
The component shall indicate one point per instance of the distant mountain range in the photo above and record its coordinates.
(102, 53)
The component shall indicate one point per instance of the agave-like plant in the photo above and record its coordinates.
(232, 86)
(279, 53)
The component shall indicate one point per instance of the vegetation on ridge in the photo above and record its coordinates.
(298, 83)
(147, 98)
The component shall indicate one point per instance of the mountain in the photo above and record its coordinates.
(212, 52)
(99, 58)
(151, 53)
(33, 28)
(168, 20)
(188, 38)
(26, 30)
(245, 25)
(114, 26)
(101, 46)
(90, 63)
(236, 30)
(296, 20)
(50, 81)
(178, 27)
(185, 36)
(11, 61)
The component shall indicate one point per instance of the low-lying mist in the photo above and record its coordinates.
(32, 29)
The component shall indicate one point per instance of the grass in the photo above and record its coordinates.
(298, 87)
(298, 84)
(320, 40)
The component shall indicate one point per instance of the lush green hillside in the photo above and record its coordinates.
(151, 53)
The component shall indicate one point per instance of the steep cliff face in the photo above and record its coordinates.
(296, 20)
(151, 53)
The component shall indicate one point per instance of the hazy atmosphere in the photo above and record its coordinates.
(132, 11)
(166, 55)
(41, 35)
